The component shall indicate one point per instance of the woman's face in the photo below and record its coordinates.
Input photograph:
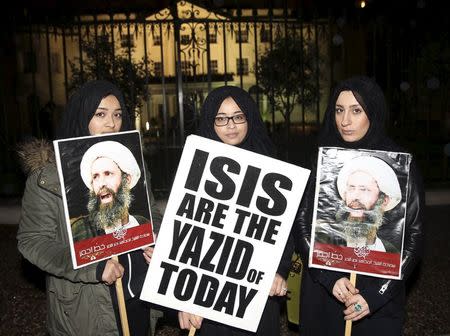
(107, 118)
(235, 130)
(351, 119)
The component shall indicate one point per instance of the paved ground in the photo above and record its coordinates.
(22, 298)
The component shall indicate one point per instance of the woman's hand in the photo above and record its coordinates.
(357, 308)
(279, 286)
(188, 320)
(343, 289)
(148, 253)
(113, 270)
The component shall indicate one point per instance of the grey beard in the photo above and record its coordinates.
(360, 230)
(107, 216)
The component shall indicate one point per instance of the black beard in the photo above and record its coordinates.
(106, 216)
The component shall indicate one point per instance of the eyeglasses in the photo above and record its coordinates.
(223, 121)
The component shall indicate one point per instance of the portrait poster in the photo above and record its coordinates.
(227, 220)
(104, 222)
(359, 211)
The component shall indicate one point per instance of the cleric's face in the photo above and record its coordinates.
(362, 193)
(106, 179)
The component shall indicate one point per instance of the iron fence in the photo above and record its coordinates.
(182, 52)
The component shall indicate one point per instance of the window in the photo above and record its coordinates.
(212, 37)
(243, 37)
(185, 39)
(214, 67)
(126, 40)
(265, 36)
(55, 62)
(157, 68)
(29, 62)
(186, 68)
(156, 40)
(244, 70)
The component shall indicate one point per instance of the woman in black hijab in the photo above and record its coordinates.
(83, 104)
(230, 115)
(256, 139)
(80, 301)
(355, 119)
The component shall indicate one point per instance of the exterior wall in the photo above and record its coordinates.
(195, 52)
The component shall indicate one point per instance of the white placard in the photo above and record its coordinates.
(224, 230)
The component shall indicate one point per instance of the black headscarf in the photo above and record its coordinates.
(82, 105)
(370, 96)
(257, 139)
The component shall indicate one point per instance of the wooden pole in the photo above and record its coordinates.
(348, 323)
(192, 331)
(122, 306)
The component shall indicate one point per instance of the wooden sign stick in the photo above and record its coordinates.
(122, 307)
(348, 323)
(192, 331)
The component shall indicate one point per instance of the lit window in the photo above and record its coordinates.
(265, 36)
(186, 68)
(244, 69)
(243, 36)
(214, 67)
(126, 40)
(156, 40)
(212, 37)
(157, 68)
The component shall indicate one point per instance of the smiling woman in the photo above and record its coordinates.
(89, 307)
(107, 118)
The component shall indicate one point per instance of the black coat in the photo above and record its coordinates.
(320, 312)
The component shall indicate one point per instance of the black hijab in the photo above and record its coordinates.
(370, 96)
(82, 105)
(257, 139)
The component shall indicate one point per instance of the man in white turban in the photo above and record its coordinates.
(368, 187)
(110, 171)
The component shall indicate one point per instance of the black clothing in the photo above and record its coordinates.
(269, 325)
(138, 311)
(82, 106)
(320, 312)
(257, 141)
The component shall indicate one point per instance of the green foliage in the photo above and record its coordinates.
(288, 74)
(99, 63)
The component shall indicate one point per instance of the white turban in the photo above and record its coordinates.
(383, 174)
(115, 151)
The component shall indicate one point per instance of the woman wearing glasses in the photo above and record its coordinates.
(230, 115)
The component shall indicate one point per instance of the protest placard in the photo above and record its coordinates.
(226, 223)
(359, 211)
(106, 205)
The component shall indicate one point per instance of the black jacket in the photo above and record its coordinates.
(386, 298)
(379, 291)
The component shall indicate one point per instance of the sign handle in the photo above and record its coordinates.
(122, 307)
(348, 323)
(192, 331)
